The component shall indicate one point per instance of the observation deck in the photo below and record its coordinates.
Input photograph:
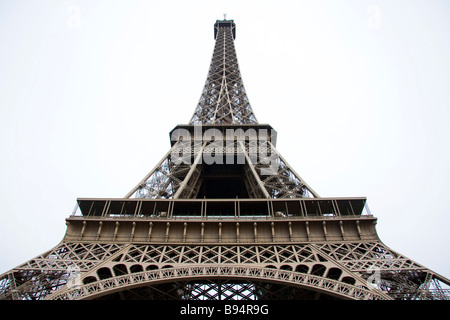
(227, 221)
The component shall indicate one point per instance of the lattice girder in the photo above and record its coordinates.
(322, 267)
(148, 257)
(167, 269)
(179, 174)
(224, 100)
(37, 278)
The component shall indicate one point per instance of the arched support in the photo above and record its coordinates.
(113, 284)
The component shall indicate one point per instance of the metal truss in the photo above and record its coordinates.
(278, 177)
(339, 270)
(218, 290)
(41, 276)
(266, 176)
(165, 179)
(223, 100)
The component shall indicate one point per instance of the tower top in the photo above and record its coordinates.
(224, 100)
(224, 24)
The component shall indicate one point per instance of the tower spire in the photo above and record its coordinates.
(223, 99)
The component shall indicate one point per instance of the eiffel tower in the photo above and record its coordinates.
(222, 216)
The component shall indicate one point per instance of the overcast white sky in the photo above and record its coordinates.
(357, 90)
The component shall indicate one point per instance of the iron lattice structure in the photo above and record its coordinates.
(222, 216)
(223, 100)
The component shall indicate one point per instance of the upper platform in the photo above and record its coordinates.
(224, 24)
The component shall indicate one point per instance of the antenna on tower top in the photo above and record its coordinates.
(224, 16)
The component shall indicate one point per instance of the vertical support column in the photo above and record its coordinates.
(308, 234)
(184, 231)
(359, 229)
(202, 233)
(273, 230)
(116, 230)
(150, 227)
(167, 230)
(270, 209)
(324, 226)
(170, 210)
(291, 238)
(204, 209)
(83, 229)
(99, 230)
(341, 226)
(133, 228)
